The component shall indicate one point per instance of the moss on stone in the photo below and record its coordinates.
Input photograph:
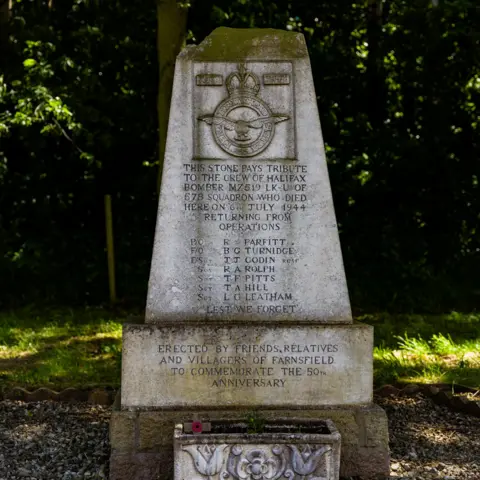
(248, 43)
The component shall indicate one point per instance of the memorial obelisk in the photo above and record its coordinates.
(247, 306)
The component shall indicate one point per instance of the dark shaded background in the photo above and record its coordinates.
(398, 93)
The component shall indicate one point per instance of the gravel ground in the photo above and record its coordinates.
(59, 441)
(431, 442)
(53, 441)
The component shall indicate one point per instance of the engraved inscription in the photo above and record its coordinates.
(248, 365)
(276, 79)
(209, 80)
(240, 269)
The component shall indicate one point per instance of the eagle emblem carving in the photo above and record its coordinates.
(243, 125)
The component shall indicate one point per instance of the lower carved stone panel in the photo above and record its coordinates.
(284, 452)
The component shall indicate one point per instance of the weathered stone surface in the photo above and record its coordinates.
(246, 44)
(155, 428)
(243, 456)
(171, 366)
(155, 431)
(123, 431)
(246, 227)
(141, 466)
(373, 427)
(117, 400)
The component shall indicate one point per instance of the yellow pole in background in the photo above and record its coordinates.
(110, 250)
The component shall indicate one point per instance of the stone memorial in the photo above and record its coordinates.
(247, 307)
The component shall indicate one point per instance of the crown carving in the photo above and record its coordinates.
(242, 81)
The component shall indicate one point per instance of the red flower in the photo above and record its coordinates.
(197, 427)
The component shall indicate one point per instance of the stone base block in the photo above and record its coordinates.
(142, 442)
(244, 366)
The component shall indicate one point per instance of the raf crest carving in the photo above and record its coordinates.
(243, 124)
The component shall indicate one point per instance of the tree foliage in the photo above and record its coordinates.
(398, 90)
(78, 120)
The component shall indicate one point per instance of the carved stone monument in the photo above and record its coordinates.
(259, 456)
(248, 305)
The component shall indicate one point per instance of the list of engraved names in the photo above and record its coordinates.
(247, 208)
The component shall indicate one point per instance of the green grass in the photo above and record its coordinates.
(62, 348)
(426, 348)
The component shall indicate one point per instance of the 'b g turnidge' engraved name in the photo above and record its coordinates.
(243, 125)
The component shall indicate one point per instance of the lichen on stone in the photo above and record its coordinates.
(248, 43)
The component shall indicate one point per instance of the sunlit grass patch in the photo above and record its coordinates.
(458, 327)
(437, 359)
(60, 348)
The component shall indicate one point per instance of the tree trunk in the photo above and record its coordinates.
(171, 36)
